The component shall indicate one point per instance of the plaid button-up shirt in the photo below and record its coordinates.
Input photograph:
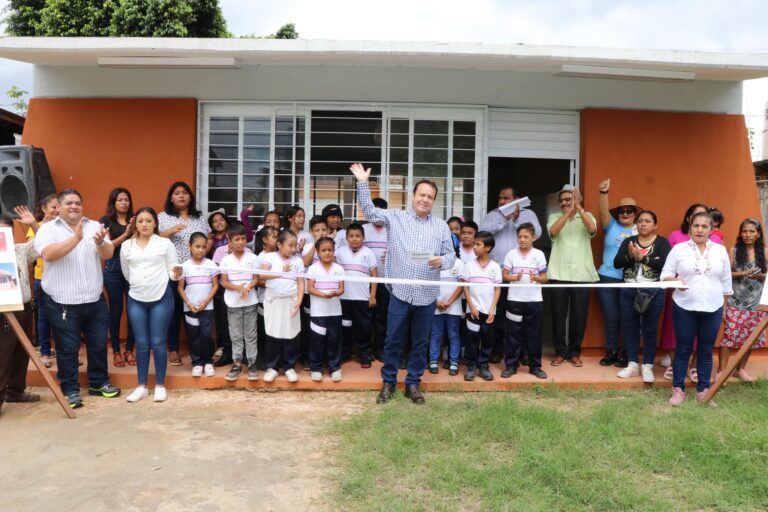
(407, 232)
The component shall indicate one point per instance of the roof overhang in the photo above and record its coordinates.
(182, 52)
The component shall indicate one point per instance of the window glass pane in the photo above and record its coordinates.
(430, 155)
(463, 157)
(430, 127)
(430, 170)
(398, 169)
(258, 139)
(464, 127)
(255, 153)
(261, 168)
(430, 141)
(285, 168)
(256, 182)
(222, 180)
(283, 181)
(463, 171)
(398, 155)
(223, 195)
(464, 143)
(284, 124)
(230, 209)
(224, 139)
(284, 140)
(224, 124)
(398, 141)
(222, 166)
(258, 125)
(222, 152)
(332, 125)
(398, 126)
(464, 186)
(257, 197)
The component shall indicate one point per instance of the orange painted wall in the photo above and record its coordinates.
(666, 161)
(94, 145)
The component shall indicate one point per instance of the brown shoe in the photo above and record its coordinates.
(576, 361)
(386, 394)
(414, 394)
(118, 360)
(557, 361)
(130, 360)
(174, 359)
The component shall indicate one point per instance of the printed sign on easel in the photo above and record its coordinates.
(10, 288)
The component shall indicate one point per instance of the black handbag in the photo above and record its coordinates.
(643, 300)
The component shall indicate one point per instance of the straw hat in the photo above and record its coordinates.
(625, 201)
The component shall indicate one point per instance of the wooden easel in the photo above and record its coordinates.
(735, 360)
(24, 340)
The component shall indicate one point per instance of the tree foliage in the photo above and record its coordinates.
(19, 104)
(287, 31)
(99, 18)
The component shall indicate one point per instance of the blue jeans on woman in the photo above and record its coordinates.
(117, 288)
(43, 326)
(609, 303)
(452, 325)
(150, 326)
(632, 322)
(690, 325)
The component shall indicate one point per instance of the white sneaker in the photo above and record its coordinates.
(209, 370)
(138, 394)
(160, 394)
(197, 371)
(291, 375)
(632, 370)
(270, 375)
(666, 361)
(336, 376)
(647, 372)
(316, 376)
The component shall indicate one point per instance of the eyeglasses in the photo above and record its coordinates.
(626, 211)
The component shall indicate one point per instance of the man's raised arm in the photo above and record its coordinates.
(372, 214)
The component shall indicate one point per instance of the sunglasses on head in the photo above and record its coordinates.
(626, 211)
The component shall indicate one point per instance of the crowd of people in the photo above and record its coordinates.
(269, 295)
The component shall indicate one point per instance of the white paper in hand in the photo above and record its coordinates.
(509, 208)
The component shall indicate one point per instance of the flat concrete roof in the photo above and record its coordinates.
(85, 51)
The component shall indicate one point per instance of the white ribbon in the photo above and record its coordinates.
(423, 282)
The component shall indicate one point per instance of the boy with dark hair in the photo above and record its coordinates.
(467, 235)
(359, 298)
(481, 306)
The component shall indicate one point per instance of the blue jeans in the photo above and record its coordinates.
(117, 289)
(609, 303)
(452, 325)
(43, 326)
(690, 325)
(632, 322)
(68, 322)
(400, 317)
(150, 325)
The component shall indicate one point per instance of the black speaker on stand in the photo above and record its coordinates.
(24, 177)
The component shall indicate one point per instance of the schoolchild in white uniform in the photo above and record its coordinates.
(525, 308)
(447, 319)
(325, 316)
(359, 298)
(265, 242)
(376, 240)
(282, 302)
(481, 306)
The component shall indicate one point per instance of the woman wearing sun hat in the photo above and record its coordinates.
(618, 224)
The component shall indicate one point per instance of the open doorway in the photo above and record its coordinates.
(539, 179)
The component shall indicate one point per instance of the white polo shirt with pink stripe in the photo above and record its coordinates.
(198, 281)
(319, 307)
(356, 263)
(232, 298)
(482, 296)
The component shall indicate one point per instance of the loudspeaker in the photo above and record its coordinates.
(24, 177)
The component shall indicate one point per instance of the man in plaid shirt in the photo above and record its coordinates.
(419, 247)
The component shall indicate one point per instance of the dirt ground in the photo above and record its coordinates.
(199, 451)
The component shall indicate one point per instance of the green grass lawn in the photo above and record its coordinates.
(557, 450)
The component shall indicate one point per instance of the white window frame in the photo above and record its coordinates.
(413, 112)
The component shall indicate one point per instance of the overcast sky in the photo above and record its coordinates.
(724, 25)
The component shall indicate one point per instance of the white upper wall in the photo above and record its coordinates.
(363, 83)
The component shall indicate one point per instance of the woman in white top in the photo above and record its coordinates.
(705, 269)
(148, 261)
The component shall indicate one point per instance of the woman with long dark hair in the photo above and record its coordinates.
(118, 222)
(177, 222)
(748, 269)
(149, 263)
